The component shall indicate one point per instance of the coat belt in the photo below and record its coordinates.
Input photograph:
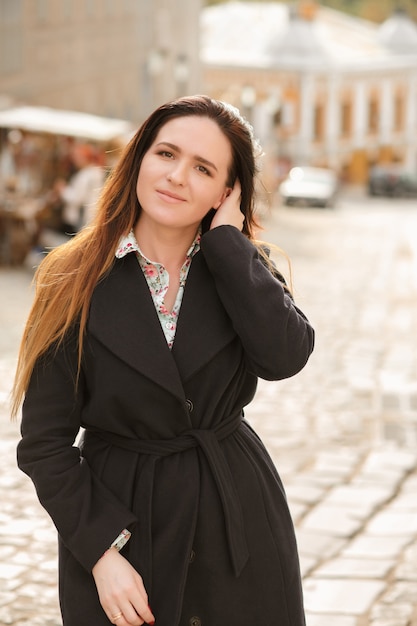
(208, 441)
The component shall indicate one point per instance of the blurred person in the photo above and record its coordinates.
(149, 331)
(7, 164)
(80, 194)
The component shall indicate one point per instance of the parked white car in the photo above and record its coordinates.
(309, 186)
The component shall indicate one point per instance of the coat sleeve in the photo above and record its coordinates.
(87, 516)
(276, 336)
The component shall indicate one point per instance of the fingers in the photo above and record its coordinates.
(135, 616)
(229, 212)
(128, 616)
(115, 617)
(134, 611)
(237, 189)
(121, 591)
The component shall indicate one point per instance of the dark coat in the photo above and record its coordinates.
(165, 452)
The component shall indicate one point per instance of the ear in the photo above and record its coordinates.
(223, 197)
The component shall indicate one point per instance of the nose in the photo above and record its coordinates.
(177, 174)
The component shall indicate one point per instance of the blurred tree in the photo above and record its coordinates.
(374, 10)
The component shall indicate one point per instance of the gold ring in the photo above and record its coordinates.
(117, 616)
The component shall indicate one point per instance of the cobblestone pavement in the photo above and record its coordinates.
(343, 432)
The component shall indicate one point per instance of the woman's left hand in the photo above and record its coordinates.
(229, 213)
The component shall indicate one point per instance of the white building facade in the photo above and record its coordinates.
(320, 87)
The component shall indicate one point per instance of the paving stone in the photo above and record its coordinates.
(407, 501)
(390, 621)
(330, 620)
(22, 558)
(10, 571)
(6, 616)
(390, 478)
(329, 464)
(393, 522)
(319, 478)
(407, 568)
(17, 528)
(11, 584)
(6, 553)
(377, 547)
(391, 458)
(407, 571)
(397, 614)
(347, 567)
(337, 521)
(6, 598)
(307, 564)
(297, 510)
(402, 592)
(43, 620)
(320, 545)
(288, 459)
(304, 493)
(348, 597)
(410, 484)
(357, 495)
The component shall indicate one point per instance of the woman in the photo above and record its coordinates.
(149, 330)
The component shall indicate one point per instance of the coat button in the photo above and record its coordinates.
(192, 557)
(195, 621)
(190, 405)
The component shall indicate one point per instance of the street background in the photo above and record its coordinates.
(342, 433)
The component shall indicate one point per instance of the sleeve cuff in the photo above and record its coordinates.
(121, 540)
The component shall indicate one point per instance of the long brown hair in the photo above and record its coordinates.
(66, 278)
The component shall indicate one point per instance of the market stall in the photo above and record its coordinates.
(36, 144)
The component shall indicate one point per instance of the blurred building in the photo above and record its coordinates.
(73, 72)
(320, 87)
(116, 59)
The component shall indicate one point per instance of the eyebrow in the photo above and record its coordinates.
(196, 156)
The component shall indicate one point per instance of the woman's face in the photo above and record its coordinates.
(184, 173)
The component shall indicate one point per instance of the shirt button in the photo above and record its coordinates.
(192, 557)
(195, 621)
(190, 405)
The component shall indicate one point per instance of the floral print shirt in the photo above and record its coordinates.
(157, 278)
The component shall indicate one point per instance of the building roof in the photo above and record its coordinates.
(272, 35)
(59, 122)
(399, 33)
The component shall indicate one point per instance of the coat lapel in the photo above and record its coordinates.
(123, 318)
(204, 327)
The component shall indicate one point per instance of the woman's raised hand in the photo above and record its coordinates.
(229, 213)
(121, 591)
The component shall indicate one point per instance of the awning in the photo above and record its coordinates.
(59, 122)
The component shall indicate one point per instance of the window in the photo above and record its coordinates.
(10, 52)
(42, 10)
(89, 7)
(319, 122)
(66, 8)
(346, 119)
(10, 11)
(373, 116)
(10, 36)
(399, 112)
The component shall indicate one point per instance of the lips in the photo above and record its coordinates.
(169, 195)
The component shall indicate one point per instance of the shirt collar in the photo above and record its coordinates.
(128, 244)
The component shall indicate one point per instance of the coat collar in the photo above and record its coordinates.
(123, 318)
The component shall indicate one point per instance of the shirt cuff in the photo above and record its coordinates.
(121, 540)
